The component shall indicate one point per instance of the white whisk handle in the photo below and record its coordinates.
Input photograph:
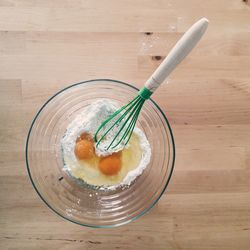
(177, 54)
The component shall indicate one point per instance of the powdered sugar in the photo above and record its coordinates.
(88, 121)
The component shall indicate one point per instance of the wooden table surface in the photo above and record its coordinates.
(47, 45)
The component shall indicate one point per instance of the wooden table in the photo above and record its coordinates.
(47, 45)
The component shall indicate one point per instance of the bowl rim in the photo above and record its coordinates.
(53, 209)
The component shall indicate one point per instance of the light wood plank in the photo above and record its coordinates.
(47, 45)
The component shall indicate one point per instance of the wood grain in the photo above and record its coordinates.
(47, 45)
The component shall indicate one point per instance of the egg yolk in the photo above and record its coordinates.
(84, 149)
(85, 136)
(110, 165)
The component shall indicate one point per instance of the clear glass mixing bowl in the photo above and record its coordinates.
(81, 204)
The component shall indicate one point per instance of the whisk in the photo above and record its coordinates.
(124, 119)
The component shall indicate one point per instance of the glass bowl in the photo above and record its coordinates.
(80, 203)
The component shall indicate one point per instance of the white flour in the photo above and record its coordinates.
(88, 121)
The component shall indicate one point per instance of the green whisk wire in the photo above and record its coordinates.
(135, 109)
(132, 124)
(128, 117)
(133, 102)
